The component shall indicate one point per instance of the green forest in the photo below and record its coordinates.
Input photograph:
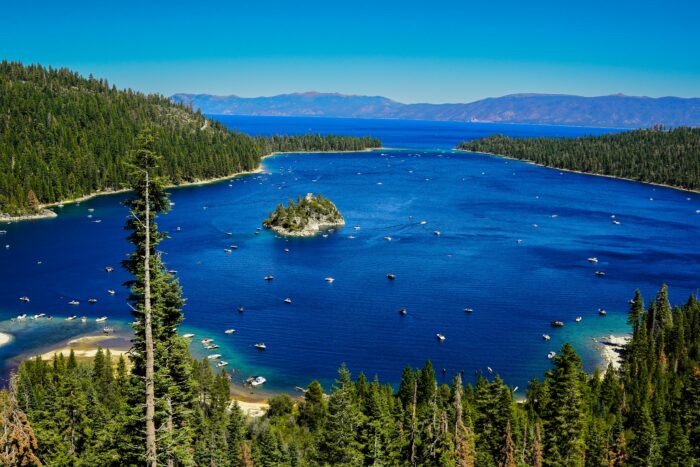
(63, 136)
(646, 414)
(668, 157)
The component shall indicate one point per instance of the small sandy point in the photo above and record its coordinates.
(5, 338)
(86, 347)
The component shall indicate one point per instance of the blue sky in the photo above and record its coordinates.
(411, 51)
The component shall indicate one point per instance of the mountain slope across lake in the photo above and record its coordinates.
(615, 111)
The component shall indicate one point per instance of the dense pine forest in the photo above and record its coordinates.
(669, 157)
(646, 414)
(63, 136)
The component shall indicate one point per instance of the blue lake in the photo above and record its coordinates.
(480, 204)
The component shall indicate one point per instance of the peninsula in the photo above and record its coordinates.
(305, 218)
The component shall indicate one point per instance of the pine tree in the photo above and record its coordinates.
(33, 201)
(508, 450)
(17, 441)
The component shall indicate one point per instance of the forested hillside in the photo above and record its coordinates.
(646, 414)
(63, 136)
(669, 157)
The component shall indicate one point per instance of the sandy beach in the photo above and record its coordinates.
(86, 347)
(5, 338)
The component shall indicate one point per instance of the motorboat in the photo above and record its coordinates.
(101, 319)
(111, 291)
(260, 346)
(551, 354)
(241, 309)
(74, 302)
(229, 331)
(227, 250)
(71, 318)
(602, 312)
(440, 337)
(599, 273)
(215, 356)
(546, 337)
(221, 364)
(403, 311)
(256, 380)
(189, 335)
(92, 300)
(207, 340)
(436, 233)
(468, 310)
(578, 319)
(557, 324)
(391, 276)
(287, 300)
(329, 280)
(593, 260)
(268, 278)
(109, 269)
(24, 299)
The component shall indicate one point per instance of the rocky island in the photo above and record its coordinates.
(305, 218)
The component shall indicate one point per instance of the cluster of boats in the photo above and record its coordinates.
(209, 344)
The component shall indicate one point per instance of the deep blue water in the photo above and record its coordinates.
(480, 204)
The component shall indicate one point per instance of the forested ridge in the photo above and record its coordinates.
(63, 136)
(645, 414)
(669, 157)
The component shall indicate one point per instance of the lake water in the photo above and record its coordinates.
(480, 204)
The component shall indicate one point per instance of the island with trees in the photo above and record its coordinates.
(64, 137)
(657, 155)
(304, 218)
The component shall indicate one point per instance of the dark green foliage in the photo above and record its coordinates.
(646, 414)
(298, 216)
(656, 156)
(63, 136)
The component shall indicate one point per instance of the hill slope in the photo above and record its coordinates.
(617, 111)
(64, 136)
(654, 156)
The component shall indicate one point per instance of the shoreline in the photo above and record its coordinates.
(46, 213)
(611, 349)
(528, 161)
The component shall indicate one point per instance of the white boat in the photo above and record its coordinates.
(233, 247)
(390, 276)
(387, 238)
(221, 363)
(616, 222)
(286, 250)
(22, 317)
(489, 369)
(518, 241)
(440, 337)
(92, 300)
(423, 222)
(211, 346)
(207, 340)
(111, 291)
(436, 233)
(101, 319)
(268, 278)
(256, 381)
(599, 273)
(287, 300)
(91, 210)
(109, 269)
(226, 250)
(71, 318)
(602, 312)
(40, 315)
(593, 259)
(24, 299)
(229, 331)
(260, 346)
(357, 227)
(468, 310)
(74, 302)
(403, 311)
(535, 226)
(215, 356)
(241, 309)
(546, 337)
(551, 354)
(83, 319)
(578, 319)
(329, 279)
(107, 330)
(189, 335)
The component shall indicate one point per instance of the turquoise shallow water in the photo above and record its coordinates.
(480, 204)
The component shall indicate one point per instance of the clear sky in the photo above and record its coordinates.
(411, 51)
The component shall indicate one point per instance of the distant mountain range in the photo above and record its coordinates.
(616, 111)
